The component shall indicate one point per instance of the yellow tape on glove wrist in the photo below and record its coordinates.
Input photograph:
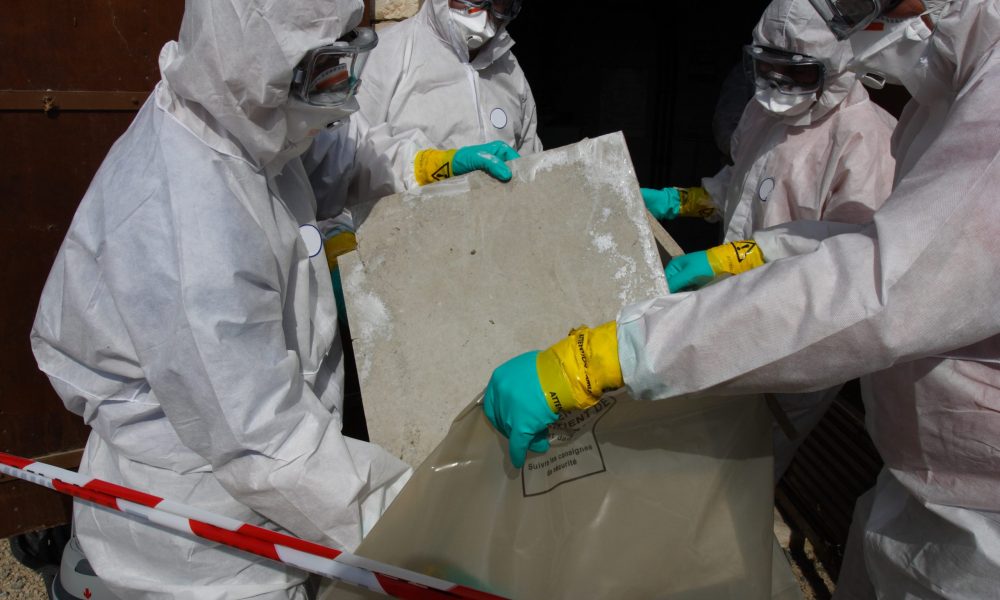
(554, 382)
(576, 370)
(696, 202)
(433, 165)
(342, 243)
(735, 257)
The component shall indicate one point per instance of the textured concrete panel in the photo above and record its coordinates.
(454, 278)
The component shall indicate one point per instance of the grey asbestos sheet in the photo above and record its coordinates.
(450, 280)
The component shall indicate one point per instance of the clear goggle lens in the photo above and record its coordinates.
(844, 17)
(502, 10)
(330, 75)
(788, 72)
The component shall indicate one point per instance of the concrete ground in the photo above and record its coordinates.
(16, 580)
(811, 590)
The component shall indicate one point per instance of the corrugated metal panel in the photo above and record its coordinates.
(835, 465)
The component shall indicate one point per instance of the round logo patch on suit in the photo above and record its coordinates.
(498, 117)
(312, 238)
(765, 188)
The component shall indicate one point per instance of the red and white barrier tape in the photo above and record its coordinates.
(305, 555)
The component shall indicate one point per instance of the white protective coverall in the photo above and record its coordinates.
(910, 299)
(189, 318)
(832, 163)
(420, 90)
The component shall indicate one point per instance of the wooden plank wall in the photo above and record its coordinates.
(53, 47)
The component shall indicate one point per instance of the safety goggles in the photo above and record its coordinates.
(330, 75)
(789, 72)
(844, 17)
(502, 10)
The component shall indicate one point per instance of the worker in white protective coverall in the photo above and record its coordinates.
(189, 316)
(908, 299)
(444, 78)
(443, 95)
(812, 146)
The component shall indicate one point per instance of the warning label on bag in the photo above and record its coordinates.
(574, 453)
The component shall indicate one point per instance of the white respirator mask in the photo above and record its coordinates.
(476, 29)
(306, 121)
(896, 53)
(303, 122)
(784, 105)
(891, 55)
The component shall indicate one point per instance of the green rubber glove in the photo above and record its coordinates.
(437, 165)
(338, 296)
(340, 242)
(515, 405)
(526, 393)
(688, 272)
(692, 271)
(662, 204)
(485, 157)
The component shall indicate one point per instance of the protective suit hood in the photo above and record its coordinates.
(962, 41)
(963, 38)
(794, 25)
(232, 63)
(438, 15)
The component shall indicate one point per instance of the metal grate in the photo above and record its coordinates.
(836, 463)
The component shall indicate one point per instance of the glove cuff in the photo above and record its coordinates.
(433, 165)
(735, 257)
(578, 369)
(337, 245)
(555, 384)
(696, 202)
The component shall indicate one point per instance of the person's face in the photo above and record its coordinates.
(907, 8)
(911, 8)
(471, 10)
(805, 77)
